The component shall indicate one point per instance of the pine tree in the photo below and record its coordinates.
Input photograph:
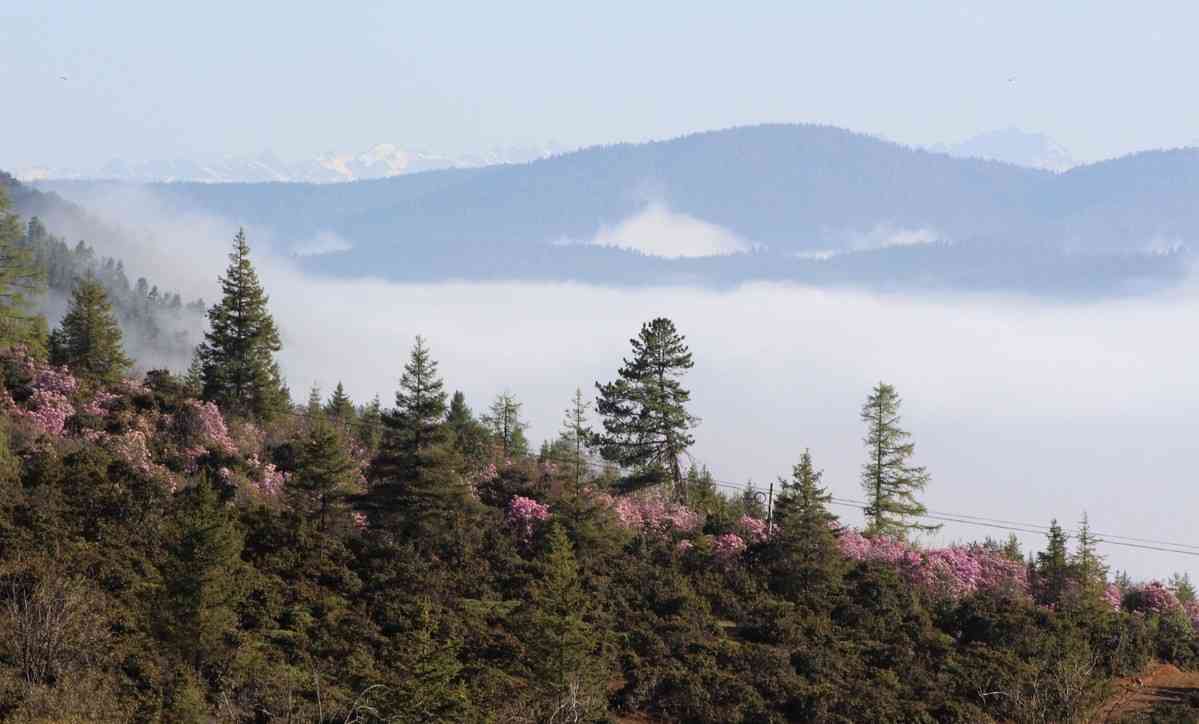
(507, 429)
(369, 429)
(1184, 590)
(21, 280)
(237, 355)
(340, 407)
(427, 686)
(201, 575)
(563, 648)
(324, 474)
(646, 423)
(314, 407)
(576, 436)
(1086, 564)
(807, 562)
(889, 481)
(417, 423)
(1052, 567)
(416, 475)
(470, 437)
(89, 341)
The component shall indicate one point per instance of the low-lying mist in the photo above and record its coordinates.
(1021, 409)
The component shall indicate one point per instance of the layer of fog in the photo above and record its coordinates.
(658, 231)
(1021, 410)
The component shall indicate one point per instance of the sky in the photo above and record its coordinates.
(148, 81)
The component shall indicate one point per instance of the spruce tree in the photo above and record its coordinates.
(89, 340)
(21, 280)
(201, 576)
(564, 650)
(239, 369)
(470, 437)
(576, 436)
(507, 429)
(644, 411)
(807, 563)
(324, 474)
(370, 425)
(340, 407)
(416, 475)
(1052, 567)
(426, 686)
(889, 480)
(1086, 564)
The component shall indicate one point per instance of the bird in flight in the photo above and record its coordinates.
(62, 77)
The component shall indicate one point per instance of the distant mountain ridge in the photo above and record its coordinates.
(380, 161)
(799, 202)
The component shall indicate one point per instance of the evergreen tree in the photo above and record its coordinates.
(470, 437)
(21, 280)
(807, 562)
(201, 576)
(416, 475)
(646, 423)
(340, 407)
(324, 474)
(89, 341)
(507, 429)
(237, 356)
(889, 481)
(576, 436)
(314, 407)
(1052, 567)
(370, 426)
(1184, 590)
(426, 685)
(1086, 564)
(564, 649)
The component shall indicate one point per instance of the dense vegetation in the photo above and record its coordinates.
(177, 548)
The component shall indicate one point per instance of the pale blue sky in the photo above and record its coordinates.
(174, 80)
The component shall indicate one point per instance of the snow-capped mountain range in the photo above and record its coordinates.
(381, 161)
(1012, 145)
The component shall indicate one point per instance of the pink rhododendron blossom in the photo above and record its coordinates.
(98, 405)
(523, 516)
(489, 473)
(655, 513)
(683, 546)
(729, 545)
(753, 529)
(48, 411)
(266, 478)
(951, 572)
(359, 520)
(201, 425)
(1151, 597)
(1191, 609)
(55, 379)
(1112, 596)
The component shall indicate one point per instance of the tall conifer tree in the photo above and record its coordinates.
(89, 340)
(202, 576)
(888, 479)
(1052, 567)
(416, 475)
(577, 435)
(470, 437)
(21, 279)
(340, 407)
(324, 473)
(645, 418)
(807, 560)
(238, 353)
(507, 429)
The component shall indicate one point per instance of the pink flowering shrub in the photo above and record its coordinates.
(752, 529)
(1152, 597)
(728, 546)
(359, 520)
(1191, 609)
(200, 425)
(47, 411)
(655, 513)
(98, 406)
(265, 479)
(55, 379)
(1112, 596)
(683, 546)
(950, 572)
(523, 516)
